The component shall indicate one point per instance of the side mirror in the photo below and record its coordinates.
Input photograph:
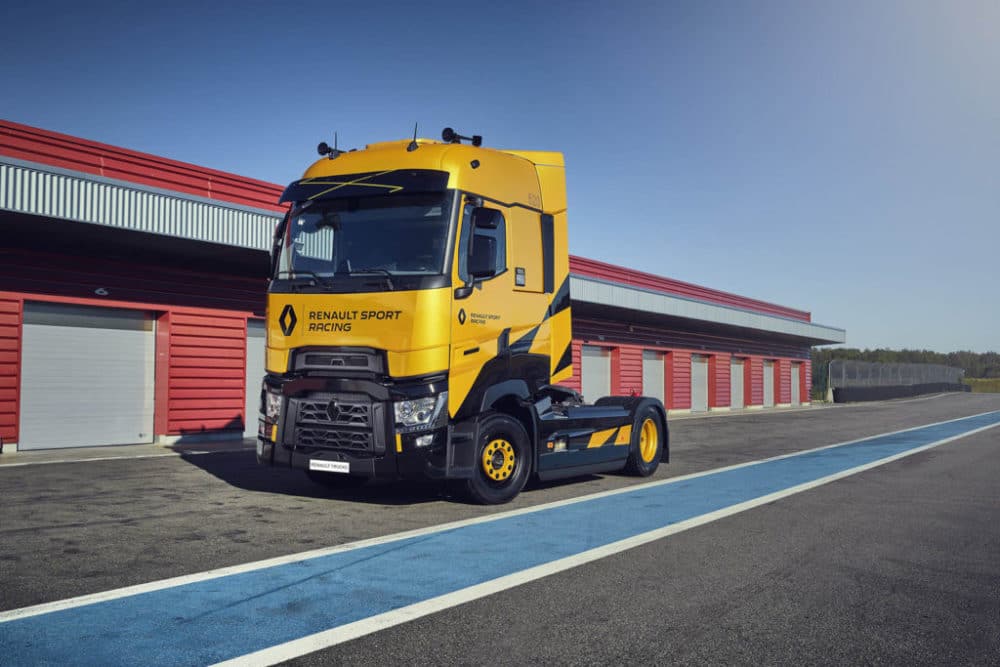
(483, 256)
(481, 262)
(486, 218)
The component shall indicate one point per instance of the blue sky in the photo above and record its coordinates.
(840, 157)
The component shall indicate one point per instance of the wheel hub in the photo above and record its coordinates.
(498, 460)
(648, 440)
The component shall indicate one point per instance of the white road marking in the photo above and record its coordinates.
(344, 633)
(114, 594)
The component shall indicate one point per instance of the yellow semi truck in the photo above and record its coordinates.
(418, 318)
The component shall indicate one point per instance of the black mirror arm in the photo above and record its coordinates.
(279, 232)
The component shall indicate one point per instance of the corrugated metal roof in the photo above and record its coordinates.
(83, 156)
(592, 268)
(604, 293)
(57, 193)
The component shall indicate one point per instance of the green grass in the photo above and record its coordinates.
(984, 385)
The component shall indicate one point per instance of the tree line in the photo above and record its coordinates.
(975, 364)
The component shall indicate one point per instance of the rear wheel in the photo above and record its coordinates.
(647, 443)
(503, 457)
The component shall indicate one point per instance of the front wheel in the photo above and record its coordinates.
(647, 443)
(503, 457)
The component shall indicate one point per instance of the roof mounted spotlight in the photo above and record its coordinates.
(324, 148)
(450, 136)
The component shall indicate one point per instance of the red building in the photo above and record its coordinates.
(132, 296)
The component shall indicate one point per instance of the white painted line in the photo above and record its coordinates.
(344, 633)
(114, 594)
(124, 457)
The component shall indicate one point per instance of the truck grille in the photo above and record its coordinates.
(350, 422)
(336, 412)
(333, 439)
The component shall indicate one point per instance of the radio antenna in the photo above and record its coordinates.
(413, 144)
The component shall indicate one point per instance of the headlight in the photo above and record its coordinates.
(420, 411)
(272, 405)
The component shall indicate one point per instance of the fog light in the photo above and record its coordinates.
(424, 440)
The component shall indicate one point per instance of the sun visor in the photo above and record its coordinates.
(394, 181)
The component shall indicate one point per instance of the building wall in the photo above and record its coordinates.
(200, 366)
(201, 324)
(201, 341)
(207, 367)
(626, 370)
(755, 382)
(783, 382)
(719, 369)
(10, 363)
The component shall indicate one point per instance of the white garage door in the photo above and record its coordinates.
(595, 372)
(768, 384)
(736, 384)
(796, 379)
(88, 376)
(255, 373)
(699, 383)
(652, 375)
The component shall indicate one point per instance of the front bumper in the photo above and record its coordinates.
(360, 432)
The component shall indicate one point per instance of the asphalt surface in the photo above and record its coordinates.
(898, 564)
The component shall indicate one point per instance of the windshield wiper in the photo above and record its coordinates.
(314, 279)
(381, 272)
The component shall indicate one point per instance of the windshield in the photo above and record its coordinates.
(393, 236)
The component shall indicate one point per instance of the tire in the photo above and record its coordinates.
(336, 480)
(503, 461)
(647, 442)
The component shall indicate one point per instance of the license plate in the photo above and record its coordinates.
(330, 466)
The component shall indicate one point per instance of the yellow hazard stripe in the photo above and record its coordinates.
(624, 435)
(599, 438)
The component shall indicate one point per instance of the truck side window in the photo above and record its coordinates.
(499, 235)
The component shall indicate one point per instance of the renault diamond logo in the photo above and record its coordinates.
(288, 320)
(461, 315)
(333, 410)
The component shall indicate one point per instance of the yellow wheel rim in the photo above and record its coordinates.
(649, 440)
(498, 460)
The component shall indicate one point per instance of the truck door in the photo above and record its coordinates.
(480, 316)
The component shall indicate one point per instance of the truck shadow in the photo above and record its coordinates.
(240, 469)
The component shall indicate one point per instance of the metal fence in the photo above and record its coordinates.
(843, 373)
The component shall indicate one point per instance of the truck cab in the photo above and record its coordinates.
(418, 318)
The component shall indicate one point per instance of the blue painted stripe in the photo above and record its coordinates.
(222, 618)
